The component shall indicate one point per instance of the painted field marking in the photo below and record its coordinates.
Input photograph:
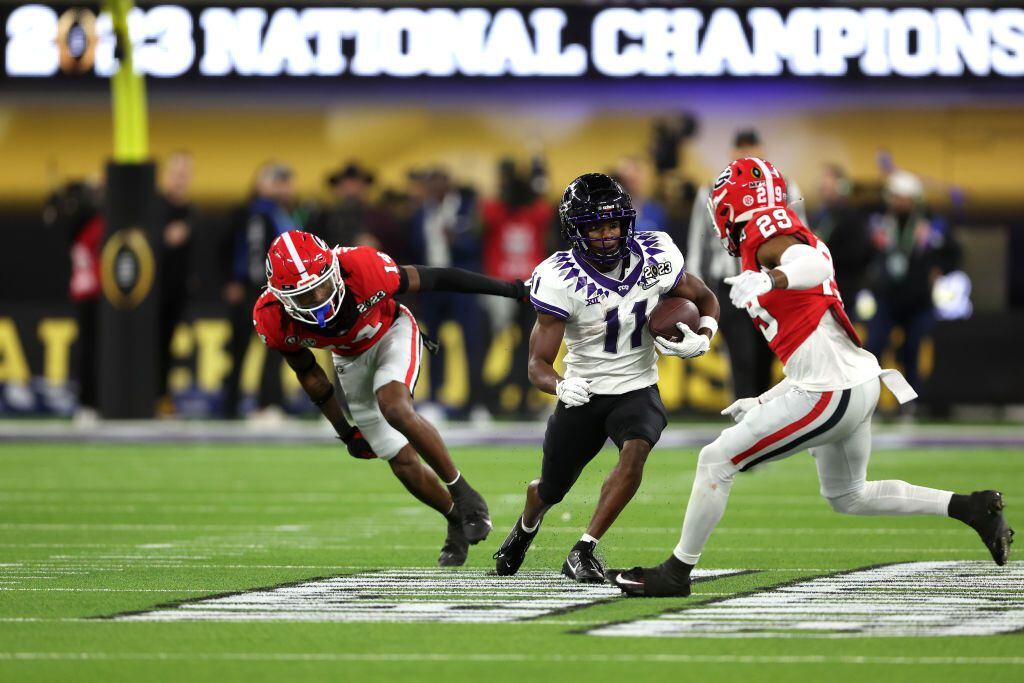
(386, 658)
(400, 595)
(917, 599)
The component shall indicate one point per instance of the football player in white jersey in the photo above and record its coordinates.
(596, 296)
(787, 285)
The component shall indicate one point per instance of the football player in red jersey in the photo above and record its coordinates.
(825, 403)
(343, 299)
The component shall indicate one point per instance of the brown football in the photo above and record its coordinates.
(668, 312)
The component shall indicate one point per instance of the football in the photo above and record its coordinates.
(668, 312)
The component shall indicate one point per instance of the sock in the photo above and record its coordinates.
(959, 507)
(452, 516)
(528, 529)
(893, 497)
(708, 499)
(677, 568)
(587, 538)
(453, 482)
(459, 487)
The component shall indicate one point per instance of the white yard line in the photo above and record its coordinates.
(384, 658)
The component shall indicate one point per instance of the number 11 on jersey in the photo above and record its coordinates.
(613, 327)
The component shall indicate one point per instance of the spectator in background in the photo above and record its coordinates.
(844, 229)
(75, 209)
(253, 228)
(910, 250)
(351, 220)
(750, 359)
(177, 216)
(635, 176)
(445, 233)
(516, 227)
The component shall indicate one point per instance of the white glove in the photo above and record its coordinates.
(747, 286)
(573, 392)
(691, 345)
(740, 407)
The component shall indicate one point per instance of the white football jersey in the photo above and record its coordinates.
(606, 336)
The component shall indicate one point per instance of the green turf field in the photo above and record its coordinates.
(94, 531)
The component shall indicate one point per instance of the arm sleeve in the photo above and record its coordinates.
(548, 296)
(805, 267)
(466, 281)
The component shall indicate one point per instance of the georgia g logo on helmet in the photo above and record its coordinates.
(305, 276)
(745, 188)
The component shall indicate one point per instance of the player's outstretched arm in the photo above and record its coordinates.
(788, 264)
(693, 288)
(793, 264)
(430, 279)
(320, 390)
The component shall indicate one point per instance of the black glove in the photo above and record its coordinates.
(358, 446)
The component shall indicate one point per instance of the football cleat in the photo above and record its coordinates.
(476, 520)
(670, 579)
(581, 565)
(455, 548)
(986, 517)
(512, 552)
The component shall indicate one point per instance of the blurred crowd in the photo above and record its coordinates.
(890, 250)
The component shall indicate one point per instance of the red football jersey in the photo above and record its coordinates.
(368, 308)
(787, 317)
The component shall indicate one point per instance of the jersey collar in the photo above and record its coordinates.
(595, 281)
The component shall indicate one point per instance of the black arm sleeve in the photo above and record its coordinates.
(459, 280)
(403, 281)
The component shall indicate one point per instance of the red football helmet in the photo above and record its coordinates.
(745, 188)
(303, 273)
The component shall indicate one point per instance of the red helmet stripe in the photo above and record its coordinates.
(287, 237)
(768, 179)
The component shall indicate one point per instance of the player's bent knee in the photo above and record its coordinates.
(634, 455)
(715, 463)
(397, 410)
(550, 495)
(849, 503)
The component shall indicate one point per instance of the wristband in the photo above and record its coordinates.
(706, 321)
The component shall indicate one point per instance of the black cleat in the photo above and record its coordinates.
(455, 548)
(512, 552)
(984, 513)
(476, 520)
(670, 579)
(581, 565)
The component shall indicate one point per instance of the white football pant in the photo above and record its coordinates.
(836, 427)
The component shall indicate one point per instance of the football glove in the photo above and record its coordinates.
(573, 392)
(740, 407)
(747, 286)
(358, 446)
(692, 344)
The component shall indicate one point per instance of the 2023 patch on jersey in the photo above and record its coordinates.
(371, 281)
(606, 334)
